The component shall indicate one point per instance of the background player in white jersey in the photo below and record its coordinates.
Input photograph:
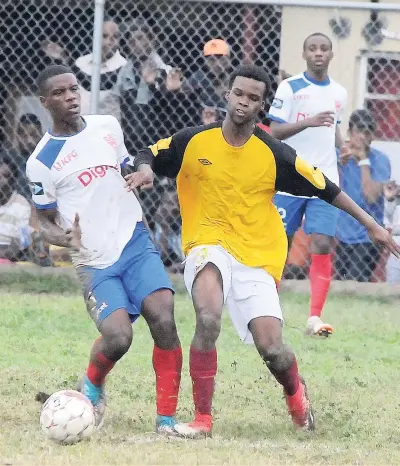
(81, 201)
(305, 114)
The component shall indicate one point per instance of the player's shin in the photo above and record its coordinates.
(203, 369)
(283, 365)
(320, 280)
(167, 367)
(98, 368)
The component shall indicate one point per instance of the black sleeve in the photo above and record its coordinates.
(295, 176)
(166, 156)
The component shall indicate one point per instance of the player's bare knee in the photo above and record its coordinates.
(208, 326)
(117, 342)
(158, 311)
(278, 357)
(321, 244)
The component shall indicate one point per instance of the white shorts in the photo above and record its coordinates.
(249, 292)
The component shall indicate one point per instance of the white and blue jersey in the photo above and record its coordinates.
(296, 99)
(82, 174)
(118, 263)
(301, 97)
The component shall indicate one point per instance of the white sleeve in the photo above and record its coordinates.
(123, 156)
(41, 185)
(342, 108)
(282, 104)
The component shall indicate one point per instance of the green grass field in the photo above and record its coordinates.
(353, 379)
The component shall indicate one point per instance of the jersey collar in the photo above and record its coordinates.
(326, 82)
(62, 136)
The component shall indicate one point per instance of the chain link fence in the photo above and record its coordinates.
(165, 65)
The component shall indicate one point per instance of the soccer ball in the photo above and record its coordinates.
(67, 417)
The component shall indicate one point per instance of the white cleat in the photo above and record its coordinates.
(315, 326)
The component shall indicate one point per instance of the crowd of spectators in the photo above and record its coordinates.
(152, 99)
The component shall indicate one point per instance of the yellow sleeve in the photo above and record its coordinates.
(296, 176)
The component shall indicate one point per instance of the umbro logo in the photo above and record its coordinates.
(205, 162)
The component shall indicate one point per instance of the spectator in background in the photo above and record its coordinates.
(154, 104)
(392, 222)
(15, 213)
(209, 115)
(211, 81)
(136, 85)
(111, 63)
(28, 134)
(22, 97)
(363, 174)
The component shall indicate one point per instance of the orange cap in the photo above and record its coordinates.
(216, 47)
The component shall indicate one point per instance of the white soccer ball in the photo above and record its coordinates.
(67, 417)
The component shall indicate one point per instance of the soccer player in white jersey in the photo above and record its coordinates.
(305, 114)
(82, 203)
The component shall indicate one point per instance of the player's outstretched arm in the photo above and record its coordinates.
(295, 176)
(283, 130)
(163, 158)
(379, 235)
(54, 234)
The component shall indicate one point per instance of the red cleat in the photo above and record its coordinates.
(201, 427)
(299, 406)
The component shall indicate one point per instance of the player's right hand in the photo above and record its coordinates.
(73, 235)
(321, 119)
(143, 178)
(381, 237)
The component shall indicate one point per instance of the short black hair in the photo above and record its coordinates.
(317, 34)
(362, 120)
(252, 72)
(50, 72)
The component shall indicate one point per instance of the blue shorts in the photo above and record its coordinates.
(320, 217)
(137, 273)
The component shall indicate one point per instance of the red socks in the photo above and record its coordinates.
(203, 368)
(320, 280)
(168, 367)
(99, 367)
(289, 379)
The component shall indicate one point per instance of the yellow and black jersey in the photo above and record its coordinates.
(225, 192)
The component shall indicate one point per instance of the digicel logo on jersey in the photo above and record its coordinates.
(89, 175)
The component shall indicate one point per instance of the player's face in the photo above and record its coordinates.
(245, 100)
(318, 53)
(63, 99)
(110, 39)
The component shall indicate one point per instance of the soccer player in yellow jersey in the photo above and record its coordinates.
(234, 239)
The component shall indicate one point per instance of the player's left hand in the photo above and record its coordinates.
(74, 234)
(143, 178)
(381, 237)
